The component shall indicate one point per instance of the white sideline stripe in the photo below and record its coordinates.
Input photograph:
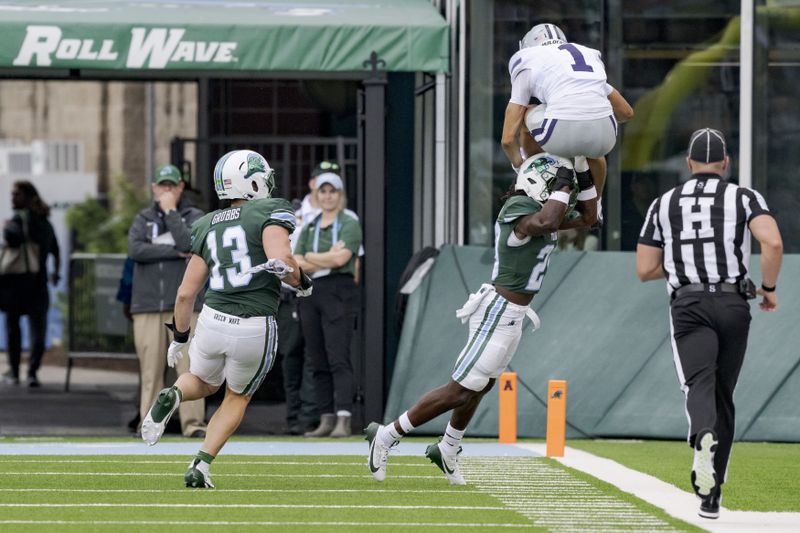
(225, 523)
(257, 506)
(161, 474)
(675, 502)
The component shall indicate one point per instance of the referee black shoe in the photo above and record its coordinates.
(709, 505)
(704, 479)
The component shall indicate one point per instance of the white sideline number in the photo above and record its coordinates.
(233, 237)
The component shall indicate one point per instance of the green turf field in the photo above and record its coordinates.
(761, 476)
(309, 493)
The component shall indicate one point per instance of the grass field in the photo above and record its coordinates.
(761, 476)
(107, 493)
(310, 493)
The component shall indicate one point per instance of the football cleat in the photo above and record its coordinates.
(709, 505)
(704, 479)
(378, 455)
(157, 417)
(446, 463)
(198, 477)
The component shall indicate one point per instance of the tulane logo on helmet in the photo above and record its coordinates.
(255, 163)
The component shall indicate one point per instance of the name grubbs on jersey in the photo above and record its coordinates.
(148, 48)
(227, 215)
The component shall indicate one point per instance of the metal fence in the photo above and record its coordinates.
(96, 325)
(293, 159)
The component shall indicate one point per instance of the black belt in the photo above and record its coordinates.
(706, 287)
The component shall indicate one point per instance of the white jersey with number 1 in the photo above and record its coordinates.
(569, 78)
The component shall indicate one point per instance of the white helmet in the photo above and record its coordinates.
(243, 174)
(543, 34)
(538, 173)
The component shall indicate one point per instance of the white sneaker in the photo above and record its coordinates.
(704, 479)
(378, 455)
(157, 417)
(198, 477)
(446, 463)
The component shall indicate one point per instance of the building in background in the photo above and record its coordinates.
(683, 65)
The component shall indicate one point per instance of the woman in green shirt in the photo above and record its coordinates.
(327, 250)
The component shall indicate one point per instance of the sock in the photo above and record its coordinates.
(178, 392)
(451, 441)
(388, 434)
(342, 412)
(203, 461)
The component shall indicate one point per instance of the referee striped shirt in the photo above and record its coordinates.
(702, 225)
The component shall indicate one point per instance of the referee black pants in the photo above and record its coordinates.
(709, 332)
(328, 319)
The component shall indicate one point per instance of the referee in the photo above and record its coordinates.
(697, 236)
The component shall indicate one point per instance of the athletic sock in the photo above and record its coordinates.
(388, 434)
(203, 461)
(451, 441)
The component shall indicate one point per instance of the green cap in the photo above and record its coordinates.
(168, 173)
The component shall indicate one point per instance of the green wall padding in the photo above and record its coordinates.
(607, 334)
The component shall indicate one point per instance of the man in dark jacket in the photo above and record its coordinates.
(159, 242)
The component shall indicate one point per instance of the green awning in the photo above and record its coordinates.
(212, 35)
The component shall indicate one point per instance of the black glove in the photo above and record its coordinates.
(564, 178)
(178, 336)
(305, 287)
(585, 180)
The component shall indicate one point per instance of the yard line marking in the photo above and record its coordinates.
(223, 462)
(225, 523)
(162, 474)
(257, 506)
(560, 501)
(218, 490)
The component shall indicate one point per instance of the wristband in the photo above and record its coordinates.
(178, 336)
(768, 289)
(560, 196)
(588, 194)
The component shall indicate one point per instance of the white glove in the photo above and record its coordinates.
(175, 352)
(302, 293)
(272, 266)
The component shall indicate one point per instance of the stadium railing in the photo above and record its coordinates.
(96, 325)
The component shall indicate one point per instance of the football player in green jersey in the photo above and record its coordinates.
(243, 252)
(525, 235)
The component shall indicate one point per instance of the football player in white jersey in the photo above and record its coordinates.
(579, 110)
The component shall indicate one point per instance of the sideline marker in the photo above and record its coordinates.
(556, 417)
(508, 408)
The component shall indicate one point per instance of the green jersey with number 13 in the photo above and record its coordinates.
(229, 241)
(520, 264)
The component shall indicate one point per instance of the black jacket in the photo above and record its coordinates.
(159, 267)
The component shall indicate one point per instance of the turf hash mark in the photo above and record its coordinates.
(553, 498)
